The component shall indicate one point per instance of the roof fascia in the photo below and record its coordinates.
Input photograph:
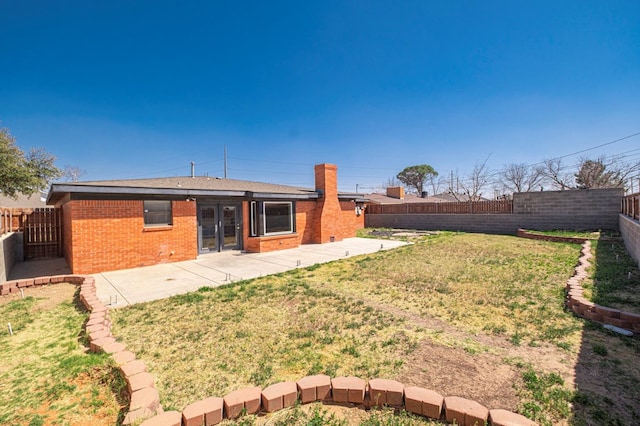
(274, 195)
(61, 189)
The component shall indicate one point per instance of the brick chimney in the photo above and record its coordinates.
(395, 192)
(327, 213)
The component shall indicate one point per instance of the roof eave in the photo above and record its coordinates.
(58, 190)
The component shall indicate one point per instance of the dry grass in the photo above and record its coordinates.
(482, 283)
(478, 316)
(45, 375)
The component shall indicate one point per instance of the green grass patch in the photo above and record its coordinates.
(590, 235)
(547, 399)
(614, 279)
(46, 375)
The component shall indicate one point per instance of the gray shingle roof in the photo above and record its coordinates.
(185, 186)
(196, 183)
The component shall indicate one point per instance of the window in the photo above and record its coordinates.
(277, 217)
(157, 213)
(254, 218)
(271, 218)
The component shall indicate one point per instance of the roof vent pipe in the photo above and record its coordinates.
(193, 169)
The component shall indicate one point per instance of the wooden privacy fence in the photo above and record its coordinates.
(12, 219)
(41, 228)
(474, 207)
(43, 234)
(631, 206)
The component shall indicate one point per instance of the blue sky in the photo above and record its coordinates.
(140, 89)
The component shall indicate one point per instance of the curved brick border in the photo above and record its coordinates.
(354, 391)
(575, 301)
(553, 238)
(351, 391)
(584, 308)
(145, 401)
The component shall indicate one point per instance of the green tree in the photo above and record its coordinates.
(599, 173)
(24, 173)
(415, 176)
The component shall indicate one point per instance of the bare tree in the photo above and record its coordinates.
(520, 177)
(557, 175)
(435, 184)
(73, 173)
(476, 182)
(392, 182)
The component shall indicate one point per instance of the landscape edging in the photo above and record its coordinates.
(575, 300)
(144, 398)
(579, 305)
(351, 391)
(523, 233)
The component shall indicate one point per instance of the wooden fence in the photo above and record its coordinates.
(41, 228)
(631, 206)
(12, 219)
(43, 234)
(474, 207)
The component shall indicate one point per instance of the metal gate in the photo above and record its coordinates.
(43, 234)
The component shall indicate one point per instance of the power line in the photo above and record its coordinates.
(589, 149)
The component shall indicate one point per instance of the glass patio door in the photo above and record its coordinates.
(219, 227)
(208, 227)
(230, 225)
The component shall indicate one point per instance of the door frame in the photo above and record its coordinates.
(219, 206)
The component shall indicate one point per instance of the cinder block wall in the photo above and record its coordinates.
(630, 230)
(569, 210)
(105, 235)
(7, 254)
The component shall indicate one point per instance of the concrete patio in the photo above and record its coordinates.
(130, 286)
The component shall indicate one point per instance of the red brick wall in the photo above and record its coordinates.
(328, 213)
(349, 222)
(67, 233)
(305, 213)
(333, 219)
(303, 235)
(104, 235)
(272, 243)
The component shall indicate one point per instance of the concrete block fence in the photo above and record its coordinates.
(350, 391)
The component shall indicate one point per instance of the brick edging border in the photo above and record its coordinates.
(354, 391)
(582, 307)
(522, 233)
(144, 398)
(575, 300)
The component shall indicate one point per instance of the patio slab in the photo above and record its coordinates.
(129, 286)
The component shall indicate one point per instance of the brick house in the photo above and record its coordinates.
(111, 225)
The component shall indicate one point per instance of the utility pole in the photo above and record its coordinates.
(225, 161)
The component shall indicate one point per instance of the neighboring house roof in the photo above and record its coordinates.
(186, 186)
(408, 198)
(23, 201)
